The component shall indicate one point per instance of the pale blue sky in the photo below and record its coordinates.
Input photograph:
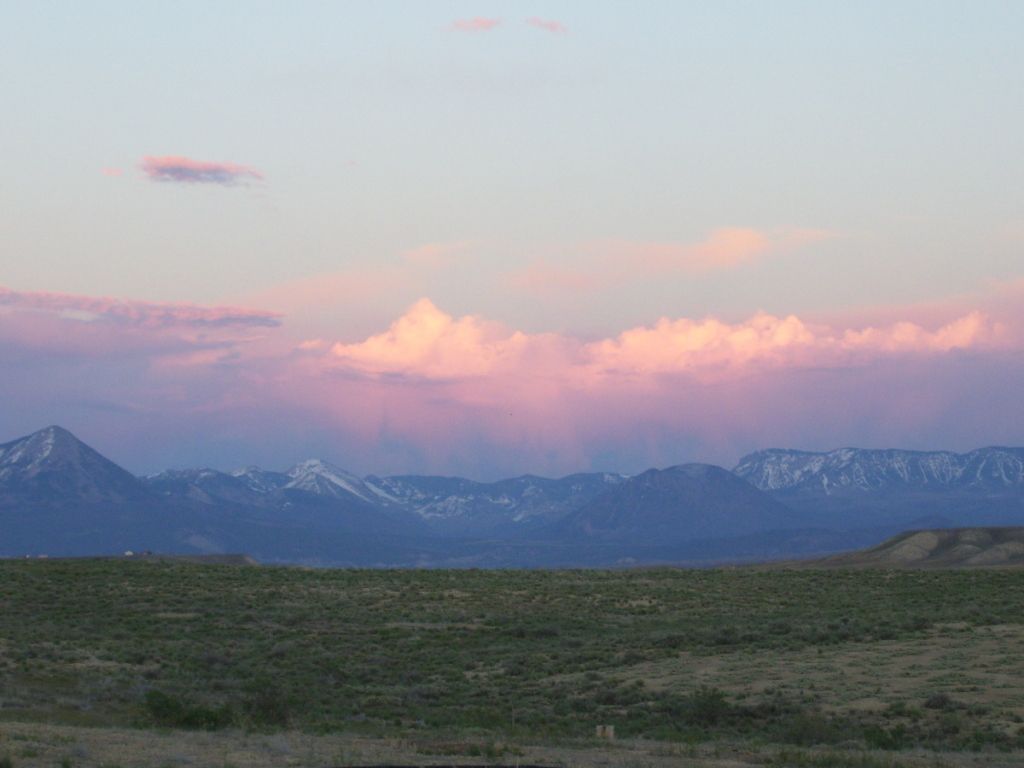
(893, 130)
(379, 128)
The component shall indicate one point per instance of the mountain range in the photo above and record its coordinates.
(60, 497)
(883, 487)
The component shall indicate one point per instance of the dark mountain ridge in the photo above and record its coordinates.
(681, 503)
(60, 497)
(51, 466)
(454, 506)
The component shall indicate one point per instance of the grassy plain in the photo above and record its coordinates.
(716, 667)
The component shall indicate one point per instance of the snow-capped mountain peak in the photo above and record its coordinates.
(323, 479)
(52, 461)
(29, 453)
(854, 469)
(260, 480)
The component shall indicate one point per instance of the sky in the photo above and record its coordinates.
(495, 238)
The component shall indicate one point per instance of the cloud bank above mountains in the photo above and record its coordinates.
(438, 392)
(428, 343)
(501, 239)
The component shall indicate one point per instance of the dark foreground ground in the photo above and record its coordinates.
(169, 663)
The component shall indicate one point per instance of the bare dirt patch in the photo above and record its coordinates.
(38, 745)
(983, 663)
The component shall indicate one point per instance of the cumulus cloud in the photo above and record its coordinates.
(426, 342)
(476, 24)
(429, 343)
(188, 171)
(468, 393)
(549, 25)
(687, 345)
(682, 344)
(441, 392)
(974, 329)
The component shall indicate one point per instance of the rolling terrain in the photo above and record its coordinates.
(719, 667)
(938, 549)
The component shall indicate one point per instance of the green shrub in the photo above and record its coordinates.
(171, 712)
(808, 729)
(877, 737)
(482, 654)
(940, 701)
(708, 706)
(267, 705)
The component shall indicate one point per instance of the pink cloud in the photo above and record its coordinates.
(1002, 300)
(69, 327)
(426, 342)
(433, 391)
(549, 25)
(362, 281)
(476, 24)
(436, 255)
(464, 389)
(684, 344)
(363, 296)
(723, 248)
(320, 293)
(712, 345)
(603, 264)
(970, 331)
(542, 278)
(135, 313)
(111, 171)
(188, 171)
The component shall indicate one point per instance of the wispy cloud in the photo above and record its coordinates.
(549, 25)
(111, 171)
(436, 255)
(60, 329)
(401, 274)
(542, 278)
(601, 264)
(476, 24)
(135, 313)
(722, 249)
(188, 171)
